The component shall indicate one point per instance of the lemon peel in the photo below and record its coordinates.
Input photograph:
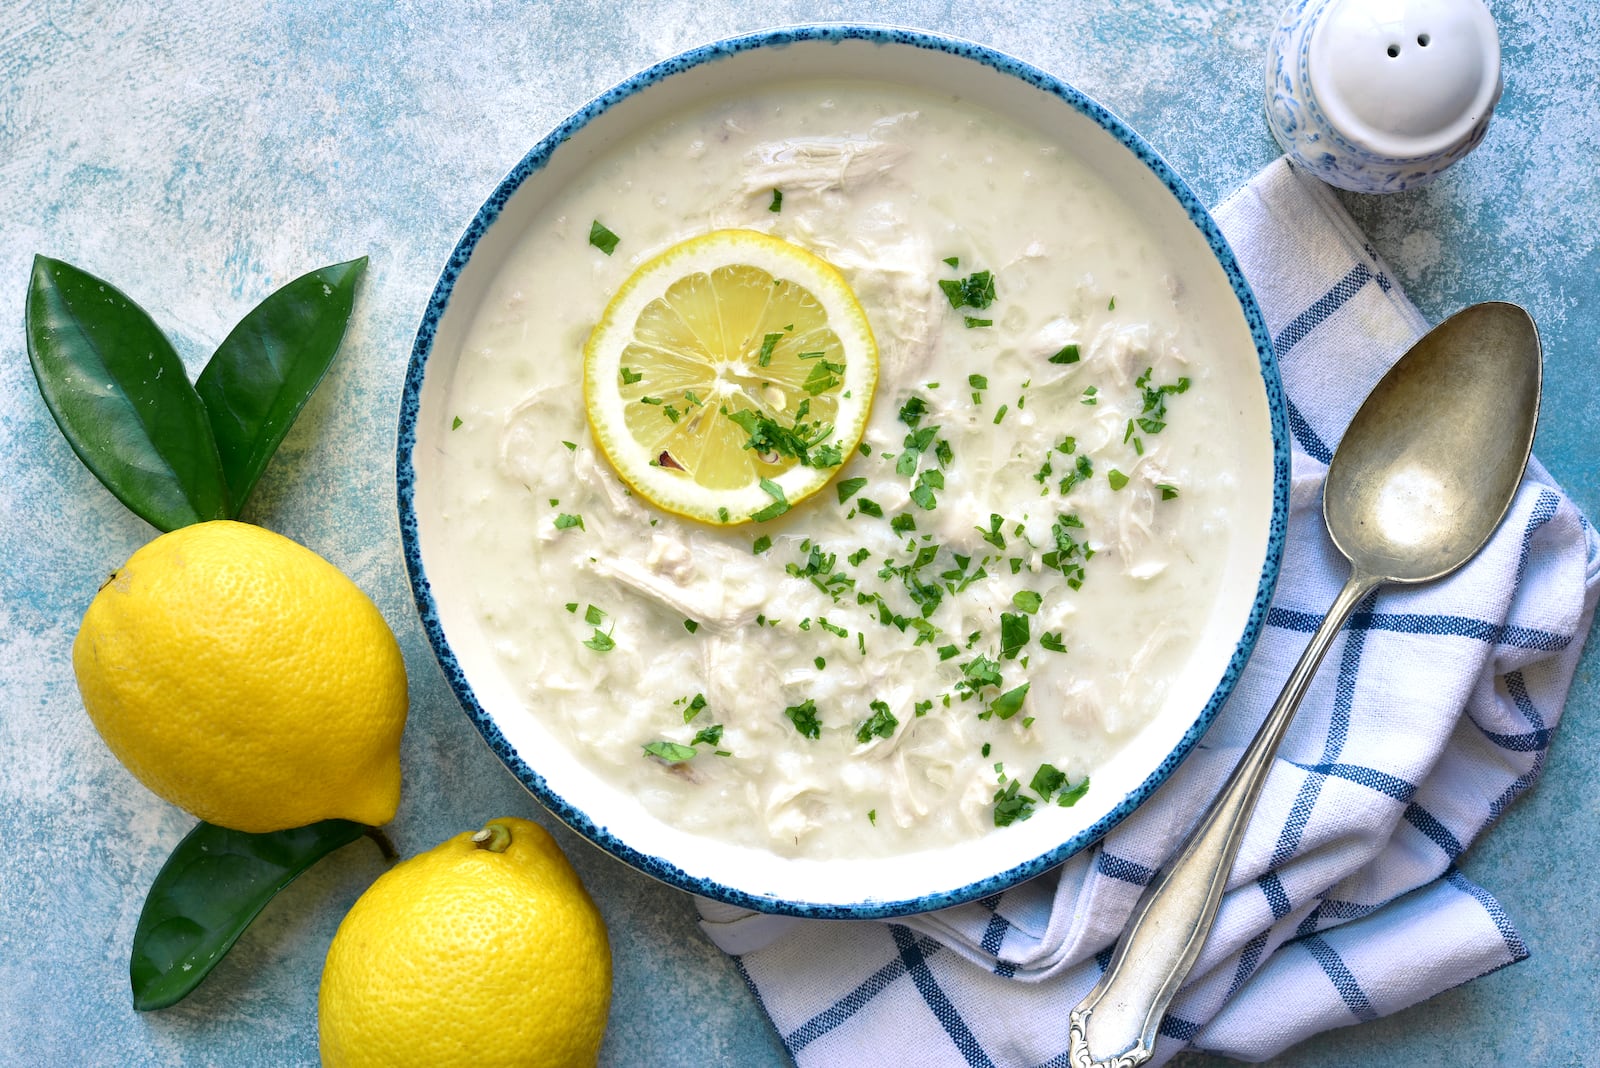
(242, 677)
(469, 954)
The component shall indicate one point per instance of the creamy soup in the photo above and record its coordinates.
(1001, 583)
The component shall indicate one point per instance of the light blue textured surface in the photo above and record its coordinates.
(200, 157)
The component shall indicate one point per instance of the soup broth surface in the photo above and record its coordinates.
(906, 659)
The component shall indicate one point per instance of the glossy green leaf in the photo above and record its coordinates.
(206, 894)
(264, 372)
(119, 393)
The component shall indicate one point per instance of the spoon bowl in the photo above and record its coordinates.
(1424, 475)
(1430, 462)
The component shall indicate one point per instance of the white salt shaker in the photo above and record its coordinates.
(1377, 96)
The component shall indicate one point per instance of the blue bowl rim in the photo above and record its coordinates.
(534, 161)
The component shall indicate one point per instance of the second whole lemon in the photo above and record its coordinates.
(485, 951)
(246, 679)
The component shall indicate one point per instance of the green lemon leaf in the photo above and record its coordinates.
(120, 395)
(266, 369)
(206, 894)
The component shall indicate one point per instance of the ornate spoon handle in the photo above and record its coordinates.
(1174, 916)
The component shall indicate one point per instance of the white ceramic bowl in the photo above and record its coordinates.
(866, 887)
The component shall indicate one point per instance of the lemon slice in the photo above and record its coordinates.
(730, 377)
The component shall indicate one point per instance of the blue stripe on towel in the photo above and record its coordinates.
(1514, 943)
(1249, 960)
(1544, 509)
(1414, 623)
(938, 1003)
(1324, 307)
(1301, 325)
(1437, 833)
(851, 1003)
(1382, 782)
(1126, 870)
(1517, 687)
(1294, 825)
(1355, 999)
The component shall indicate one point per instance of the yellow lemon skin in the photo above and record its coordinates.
(244, 678)
(466, 956)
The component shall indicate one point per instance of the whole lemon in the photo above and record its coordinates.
(485, 951)
(244, 678)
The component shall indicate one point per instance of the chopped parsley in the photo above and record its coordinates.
(916, 443)
(849, 487)
(692, 706)
(1082, 471)
(690, 625)
(1046, 781)
(1009, 703)
(761, 544)
(976, 674)
(601, 642)
(1068, 354)
(670, 752)
(880, 724)
(779, 505)
(1116, 478)
(1027, 600)
(572, 446)
(768, 343)
(954, 262)
(819, 568)
(1168, 490)
(804, 718)
(974, 291)
(1152, 419)
(593, 616)
(823, 377)
(711, 735)
(972, 321)
(630, 376)
(872, 508)
(1072, 796)
(455, 424)
(603, 239)
(912, 411)
(567, 522)
(1069, 554)
(872, 816)
(1013, 634)
(804, 441)
(1051, 640)
(993, 535)
(777, 201)
(1010, 806)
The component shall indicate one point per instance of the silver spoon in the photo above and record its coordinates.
(1423, 476)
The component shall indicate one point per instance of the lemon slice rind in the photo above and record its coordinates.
(638, 463)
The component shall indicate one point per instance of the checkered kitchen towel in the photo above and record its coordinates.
(1432, 711)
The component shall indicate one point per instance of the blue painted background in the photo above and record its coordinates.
(200, 155)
